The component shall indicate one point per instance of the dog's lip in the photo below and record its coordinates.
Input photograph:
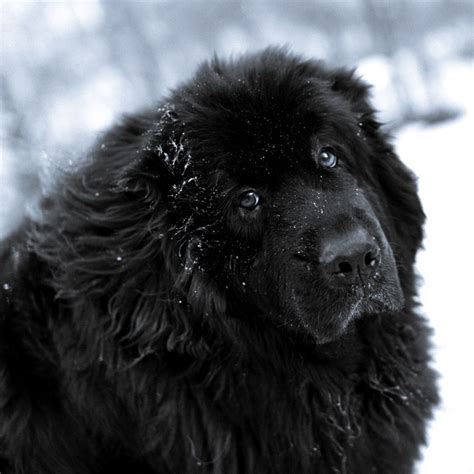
(374, 297)
(391, 298)
(356, 304)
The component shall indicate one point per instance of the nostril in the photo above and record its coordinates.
(344, 267)
(349, 257)
(371, 259)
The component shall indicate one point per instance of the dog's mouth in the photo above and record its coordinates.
(326, 318)
(382, 289)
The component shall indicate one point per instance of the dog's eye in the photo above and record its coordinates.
(249, 200)
(327, 158)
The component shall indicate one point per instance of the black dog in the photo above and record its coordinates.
(226, 286)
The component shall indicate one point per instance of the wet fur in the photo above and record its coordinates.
(125, 349)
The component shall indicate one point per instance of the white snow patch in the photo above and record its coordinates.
(442, 157)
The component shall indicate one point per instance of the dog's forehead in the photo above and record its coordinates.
(255, 127)
(263, 149)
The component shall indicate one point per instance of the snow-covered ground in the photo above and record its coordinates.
(442, 157)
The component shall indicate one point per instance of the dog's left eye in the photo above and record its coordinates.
(327, 158)
(249, 200)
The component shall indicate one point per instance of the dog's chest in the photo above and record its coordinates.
(263, 422)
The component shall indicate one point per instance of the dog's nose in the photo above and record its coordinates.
(345, 257)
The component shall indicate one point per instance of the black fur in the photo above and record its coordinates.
(148, 324)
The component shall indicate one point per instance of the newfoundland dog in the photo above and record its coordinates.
(226, 285)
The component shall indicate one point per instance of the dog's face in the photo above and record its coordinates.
(319, 254)
(279, 208)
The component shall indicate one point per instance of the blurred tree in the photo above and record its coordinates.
(130, 48)
(66, 64)
(397, 30)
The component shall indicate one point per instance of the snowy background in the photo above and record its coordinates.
(69, 69)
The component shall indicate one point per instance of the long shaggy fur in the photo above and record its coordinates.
(128, 342)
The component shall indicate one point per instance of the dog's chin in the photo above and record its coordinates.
(325, 327)
(336, 325)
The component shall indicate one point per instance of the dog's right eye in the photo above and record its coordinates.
(327, 158)
(249, 200)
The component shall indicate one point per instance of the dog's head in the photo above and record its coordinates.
(286, 202)
(262, 190)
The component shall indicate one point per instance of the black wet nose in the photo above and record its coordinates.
(345, 257)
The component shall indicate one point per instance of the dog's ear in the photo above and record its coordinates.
(140, 154)
(110, 216)
(107, 236)
(357, 92)
(353, 88)
(398, 185)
